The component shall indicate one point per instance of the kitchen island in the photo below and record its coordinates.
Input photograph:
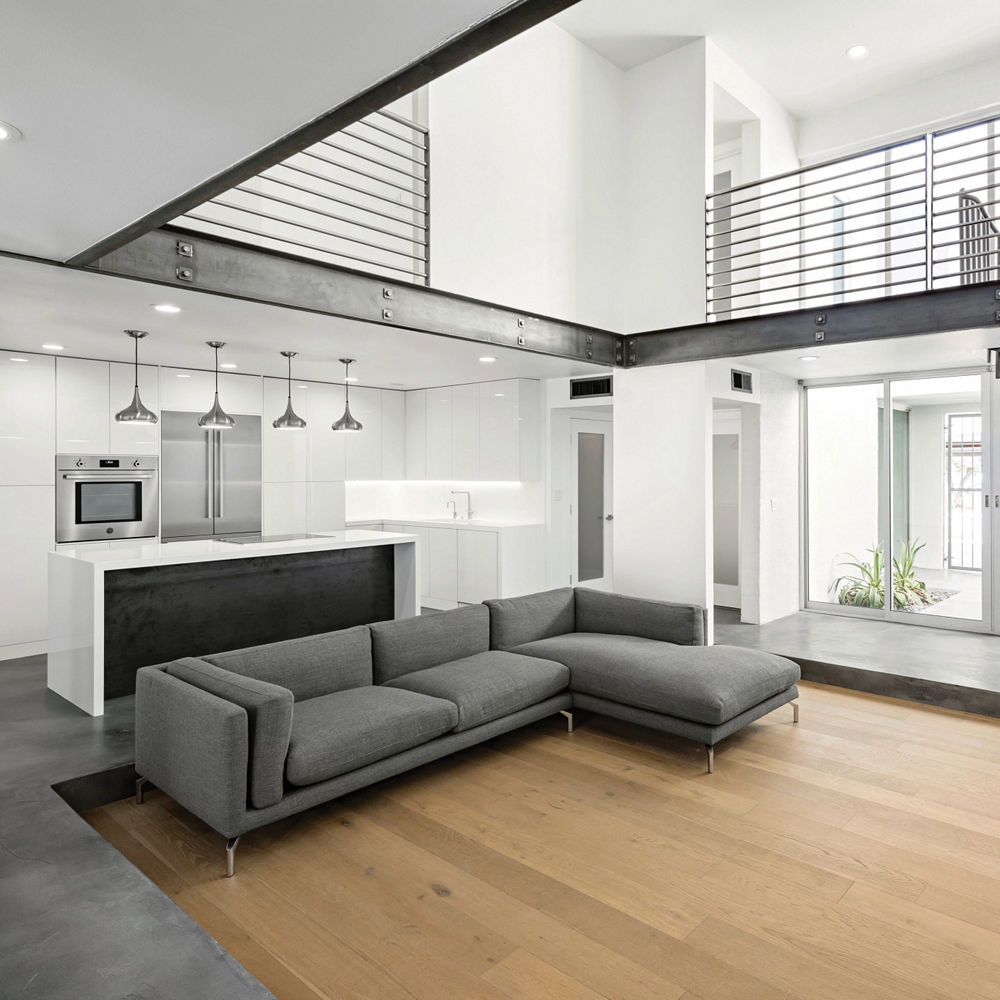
(114, 610)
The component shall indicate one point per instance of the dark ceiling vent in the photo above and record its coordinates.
(587, 388)
(741, 381)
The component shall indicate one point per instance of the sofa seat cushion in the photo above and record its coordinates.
(340, 732)
(707, 684)
(489, 685)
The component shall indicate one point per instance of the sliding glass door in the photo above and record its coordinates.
(898, 508)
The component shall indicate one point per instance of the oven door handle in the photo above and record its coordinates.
(82, 477)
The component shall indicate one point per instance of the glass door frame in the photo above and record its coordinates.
(991, 455)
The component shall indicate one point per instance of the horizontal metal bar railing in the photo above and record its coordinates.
(359, 198)
(912, 215)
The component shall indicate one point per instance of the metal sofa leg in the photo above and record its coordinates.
(795, 712)
(140, 790)
(710, 752)
(231, 844)
(569, 719)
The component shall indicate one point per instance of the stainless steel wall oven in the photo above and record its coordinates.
(106, 497)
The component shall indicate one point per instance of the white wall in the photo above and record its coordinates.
(527, 178)
(663, 483)
(843, 480)
(668, 140)
(399, 500)
(934, 102)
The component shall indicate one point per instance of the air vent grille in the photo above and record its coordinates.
(587, 388)
(741, 381)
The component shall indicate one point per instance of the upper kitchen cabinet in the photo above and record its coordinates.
(509, 430)
(438, 428)
(191, 391)
(416, 433)
(364, 448)
(133, 438)
(465, 445)
(326, 450)
(487, 431)
(284, 453)
(83, 404)
(393, 434)
(27, 419)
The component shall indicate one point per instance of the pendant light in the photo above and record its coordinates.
(347, 422)
(216, 419)
(135, 412)
(289, 420)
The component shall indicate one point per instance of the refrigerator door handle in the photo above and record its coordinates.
(209, 476)
(221, 474)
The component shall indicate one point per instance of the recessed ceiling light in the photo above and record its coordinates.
(499, 395)
(183, 375)
(350, 379)
(857, 52)
(23, 361)
(166, 307)
(487, 360)
(229, 364)
(809, 357)
(10, 133)
(302, 387)
(53, 347)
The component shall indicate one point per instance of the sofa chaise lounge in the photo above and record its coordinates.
(247, 737)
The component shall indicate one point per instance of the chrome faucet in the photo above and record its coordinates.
(468, 503)
(454, 508)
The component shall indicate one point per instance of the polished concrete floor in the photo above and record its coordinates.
(942, 667)
(78, 921)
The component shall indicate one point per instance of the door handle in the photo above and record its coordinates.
(609, 517)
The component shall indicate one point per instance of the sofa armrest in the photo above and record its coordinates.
(615, 614)
(269, 721)
(193, 745)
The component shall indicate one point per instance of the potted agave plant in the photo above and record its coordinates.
(866, 587)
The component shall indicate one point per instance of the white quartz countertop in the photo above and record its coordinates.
(135, 555)
(449, 522)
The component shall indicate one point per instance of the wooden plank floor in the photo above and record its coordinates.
(855, 856)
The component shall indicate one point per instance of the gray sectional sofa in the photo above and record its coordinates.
(247, 737)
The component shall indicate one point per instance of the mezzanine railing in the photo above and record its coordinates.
(903, 218)
(358, 198)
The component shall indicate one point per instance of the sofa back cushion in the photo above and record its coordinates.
(400, 647)
(516, 620)
(269, 718)
(309, 667)
(615, 614)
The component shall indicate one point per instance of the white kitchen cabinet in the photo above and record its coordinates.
(325, 506)
(364, 449)
(441, 555)
(82, 403)
(285, 508)
(416, 434)
(192, 391)
(465, 432)
(133, 438)
(284, 453)
(499, 435)
(27, 419)
(393, 434)
(27, 533)
(327, 450)
(438, 425)
(478, 566)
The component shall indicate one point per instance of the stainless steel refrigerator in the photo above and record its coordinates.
(209, 480)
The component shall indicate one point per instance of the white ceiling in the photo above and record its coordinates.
(796, 50)
(85, 313)
(931, 352)
(124, 105)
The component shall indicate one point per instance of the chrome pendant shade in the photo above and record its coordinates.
(347, 421)
(136, 412)
(216, 419)
(289, 420)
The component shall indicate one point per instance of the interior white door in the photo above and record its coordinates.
(592, 505)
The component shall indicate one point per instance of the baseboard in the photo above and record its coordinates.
(19, 649)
